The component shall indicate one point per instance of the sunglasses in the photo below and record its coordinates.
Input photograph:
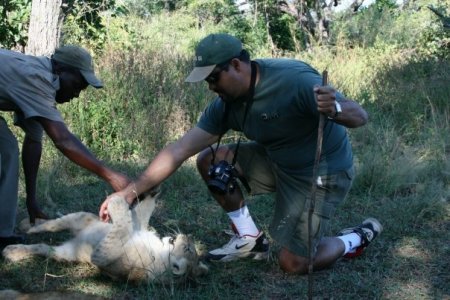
(214, 77)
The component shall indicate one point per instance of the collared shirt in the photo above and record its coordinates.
(284, 119)
(28, 87)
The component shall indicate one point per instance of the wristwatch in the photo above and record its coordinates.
(337, 108)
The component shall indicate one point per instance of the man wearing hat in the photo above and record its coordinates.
(276, 104)
(31, 86)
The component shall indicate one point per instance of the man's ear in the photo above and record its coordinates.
(236, 64)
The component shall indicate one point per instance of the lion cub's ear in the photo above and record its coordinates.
(200, 269)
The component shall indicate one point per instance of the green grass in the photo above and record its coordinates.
(402, 160)
(408, 261)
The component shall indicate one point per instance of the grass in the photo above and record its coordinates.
(408, 261)
(403, 178)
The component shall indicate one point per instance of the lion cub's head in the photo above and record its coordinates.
(183, 257)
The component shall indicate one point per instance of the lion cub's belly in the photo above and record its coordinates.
(144, 257)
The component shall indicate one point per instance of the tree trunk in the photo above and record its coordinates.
(45, 27)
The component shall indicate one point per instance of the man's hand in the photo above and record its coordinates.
(103, 212)
(352, 115)
(326, 100)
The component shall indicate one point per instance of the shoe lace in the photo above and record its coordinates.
(364, 236)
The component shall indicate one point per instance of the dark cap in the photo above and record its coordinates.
(80, 59)
(211, 51)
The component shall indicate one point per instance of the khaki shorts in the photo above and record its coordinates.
(289, 226)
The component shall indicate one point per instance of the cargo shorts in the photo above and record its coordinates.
(289, 226)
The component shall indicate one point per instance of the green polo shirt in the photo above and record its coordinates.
(28, 87)
(284, 119)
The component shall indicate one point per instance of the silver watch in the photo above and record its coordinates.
(337, 108)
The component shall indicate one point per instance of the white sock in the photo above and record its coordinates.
(243, 222)
(351, 242)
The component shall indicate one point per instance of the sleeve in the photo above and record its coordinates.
(307, 98)
(34, 93)
(32, 128)
(212, 117)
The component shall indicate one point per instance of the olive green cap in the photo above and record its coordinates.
(211, 51)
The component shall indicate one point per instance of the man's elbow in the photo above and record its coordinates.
(360, 120)
(363, 118)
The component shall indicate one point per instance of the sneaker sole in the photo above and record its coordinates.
(229, 258)
(375, 223)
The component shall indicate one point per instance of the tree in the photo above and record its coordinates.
(49, 18)
(294, 24)
(45, 27)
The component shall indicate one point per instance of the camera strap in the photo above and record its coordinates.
(251, 93)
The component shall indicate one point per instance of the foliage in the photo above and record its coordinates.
(146, 8)
(84, 22)
(279, 25)
(382, 25)
(223, 14)
(435, 37)
(13, 22)
(385, 5)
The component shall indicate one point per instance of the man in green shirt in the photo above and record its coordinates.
(276, 103)
(30, 86)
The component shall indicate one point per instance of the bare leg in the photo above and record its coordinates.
(31, 156)
(329, 250)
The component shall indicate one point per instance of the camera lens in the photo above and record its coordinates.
(217, 187)
(222, 178)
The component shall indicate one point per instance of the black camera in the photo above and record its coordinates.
(223, 178)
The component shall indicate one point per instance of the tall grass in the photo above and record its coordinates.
(402, 163)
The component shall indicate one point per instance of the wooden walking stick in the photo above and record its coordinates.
(313, 193)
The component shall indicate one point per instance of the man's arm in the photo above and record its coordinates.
(165, 163)
(73, 149)
(352, 115)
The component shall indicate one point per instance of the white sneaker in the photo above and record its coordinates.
(240, 247)
(367, 231)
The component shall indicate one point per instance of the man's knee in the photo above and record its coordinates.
(292, 263)
(203, 161)
(204, 158)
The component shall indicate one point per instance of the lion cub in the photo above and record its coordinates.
(124, 248)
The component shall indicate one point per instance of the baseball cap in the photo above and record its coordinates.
(80, 59)
(212, 50)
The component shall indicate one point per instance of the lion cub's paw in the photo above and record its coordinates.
(117, 206)
(16, 252)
